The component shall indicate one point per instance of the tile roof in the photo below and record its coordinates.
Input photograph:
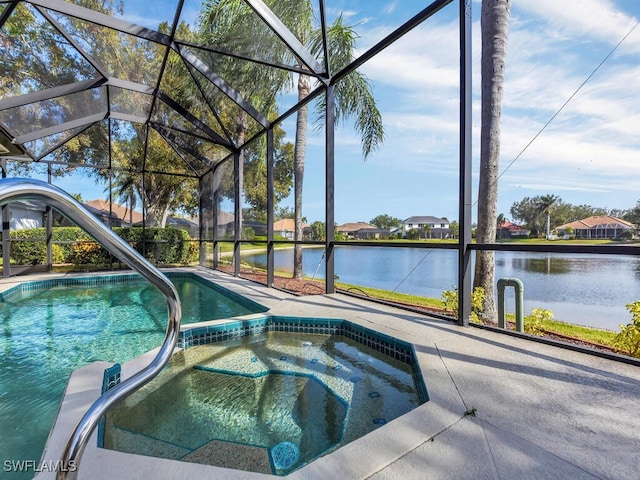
(224, 218)
(425, 219)
(353, 227)
(597, 221)
(123, 213)
(512, 227)
(286, 225)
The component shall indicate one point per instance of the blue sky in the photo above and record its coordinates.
(587, 154)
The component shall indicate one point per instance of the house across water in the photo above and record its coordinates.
(601, 226)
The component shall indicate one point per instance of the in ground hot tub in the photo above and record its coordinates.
(269, 395)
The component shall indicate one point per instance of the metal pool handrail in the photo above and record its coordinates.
(12, 189)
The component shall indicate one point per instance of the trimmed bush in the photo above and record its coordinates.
(89, 252)
(159, 245)
(534, 323)
(28, 247)
(66, 237)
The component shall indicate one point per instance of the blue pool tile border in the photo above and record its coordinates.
(390, 346)
(110, 379)
(38, 285)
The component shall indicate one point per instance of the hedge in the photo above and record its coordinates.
(72, 245)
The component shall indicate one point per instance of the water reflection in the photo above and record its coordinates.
(548, 265)
(636, 268)
(585, 289)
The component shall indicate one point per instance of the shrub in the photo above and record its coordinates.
(450, 301)
(248, 233)
(533, 323)
(162, 245)
(66, 237)
(28, 247)
(413, 234)
(194, 251)
(627, 235)
(89, 252)
(57, 254)
(628, 340)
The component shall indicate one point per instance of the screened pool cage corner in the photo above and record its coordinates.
(174, 118)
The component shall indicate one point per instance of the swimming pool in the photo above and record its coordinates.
(52, 327)
(273, 395)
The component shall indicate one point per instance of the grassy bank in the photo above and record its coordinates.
(587, 334)
(578, 332)
(387, 295)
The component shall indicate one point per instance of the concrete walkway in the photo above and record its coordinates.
(500, 407)
(514, 409)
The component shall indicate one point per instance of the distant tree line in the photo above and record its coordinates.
(533, 212)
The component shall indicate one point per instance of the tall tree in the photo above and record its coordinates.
(354, 98)
(499, 222)
(454, 228)
(386, 221)
(124, 189)
(526, 212)
(233, 25)
(494, 21)
(40, 58)
(544, 206)
(633, 215)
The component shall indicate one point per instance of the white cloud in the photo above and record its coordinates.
(589, 152)
(425, 58)
(591, 144)
(390, 8)
(596, 19)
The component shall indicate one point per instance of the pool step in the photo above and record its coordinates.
(231, 455)
(215, 452)
(126, 441)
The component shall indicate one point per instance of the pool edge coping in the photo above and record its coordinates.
(404, 433)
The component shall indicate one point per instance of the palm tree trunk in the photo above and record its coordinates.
(241, 132)
(495, 27)
(548, 224)
(304, 87)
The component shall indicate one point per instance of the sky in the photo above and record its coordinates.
(570, 123)
(587, 154)
(571, 110)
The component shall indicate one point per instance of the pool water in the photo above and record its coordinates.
(48, 333)
(241, 403)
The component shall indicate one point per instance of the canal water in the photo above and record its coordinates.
(584, 289)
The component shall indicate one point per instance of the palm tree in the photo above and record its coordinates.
(544, 206)
(495, 28)
(125, 188)
(222, 21)
(499, 222)
(353, 98)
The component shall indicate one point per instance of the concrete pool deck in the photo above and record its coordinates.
(501, 407)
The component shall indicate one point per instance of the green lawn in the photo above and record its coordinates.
(592, 335)
(587, 334)
(391, 296)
